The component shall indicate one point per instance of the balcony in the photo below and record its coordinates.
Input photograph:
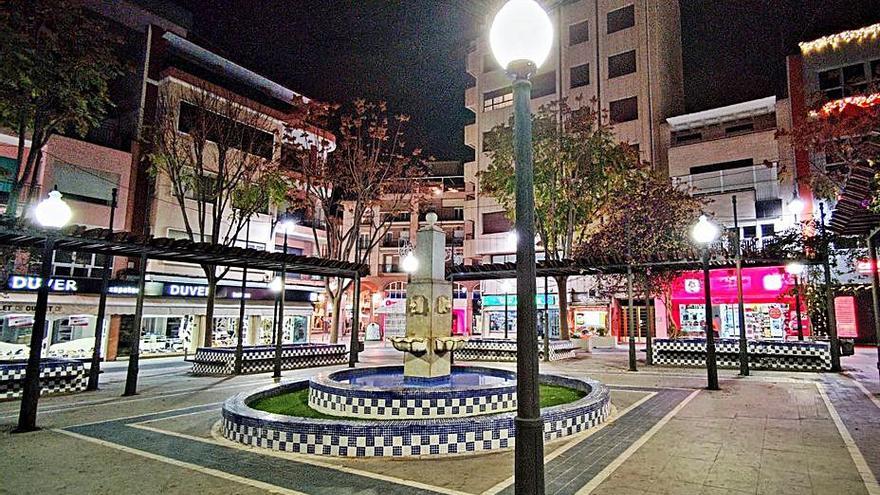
(762, 179)
(390, 268)
(471, 99)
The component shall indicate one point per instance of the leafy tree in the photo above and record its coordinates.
(358, 188)
(57, 60)
(578, 162)
(220, 160)
(650, 221)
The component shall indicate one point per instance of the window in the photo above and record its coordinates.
(395, 290)
(495, 223)
(749, 232)
(201, 188)
(844, 81)
(579, 76)
(624, 110)
(621, 19)
(767, 230)
(740, 128)
(499, 98)
(459, 291)
(768, 208)
(458, 213)
(544, 85)
(715, 167)
(248, 139)
(390, 264)
(84, 184)
(621, 64)
(489, 63)
(77, 264)
(688, 138)
(578, 33)
(503, 258)
(364, 240)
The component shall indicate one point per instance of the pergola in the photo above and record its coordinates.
(103, 241)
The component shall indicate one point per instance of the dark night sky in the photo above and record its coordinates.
(411, 53)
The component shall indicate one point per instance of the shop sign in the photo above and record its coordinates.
(28, 282)
(185, 290)
(692, 286)
(845, 313)
(511, 300)
(864, 266)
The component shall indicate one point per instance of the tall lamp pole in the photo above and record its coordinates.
(95, 368)
(239, 340)
(52, 213)
(521, 37)
(741, 313)
(705, 232)
(285, 223)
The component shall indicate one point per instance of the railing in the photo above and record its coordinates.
(763, 179)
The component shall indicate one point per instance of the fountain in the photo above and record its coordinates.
(425, 407)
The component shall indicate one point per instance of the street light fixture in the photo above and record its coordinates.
(795, 269)
(410, 263)
(51, 213)
(705, 233)
(276, 285)
(521, 37)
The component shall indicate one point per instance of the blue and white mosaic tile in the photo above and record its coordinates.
(763, 354)
(57, 376)
(503, 350)
(260, 359)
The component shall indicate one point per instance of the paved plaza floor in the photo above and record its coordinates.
(770, 433)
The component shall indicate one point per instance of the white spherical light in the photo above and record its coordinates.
(521, 30)
(410, 263)
(704, 231)
(275, 285)
(53, 211)
(794, 268)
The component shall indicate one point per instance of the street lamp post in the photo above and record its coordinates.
(705, 232)
(506, 286)
(741, 314)
(796, 269)
(95, 368)
(52, 213)
(521, 37)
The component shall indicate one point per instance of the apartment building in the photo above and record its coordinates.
(163, 61)
(738, 150)
(384, 291)
(839, 67)
(623, 54)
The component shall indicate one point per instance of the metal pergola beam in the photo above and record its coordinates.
(103, 241)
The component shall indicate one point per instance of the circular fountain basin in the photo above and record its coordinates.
(384, 393)
(404, 436)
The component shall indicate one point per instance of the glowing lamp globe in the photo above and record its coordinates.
(521, 31)
(53, 211)
(796, 206)
(704, 232)
(794, 268)
(410, 263)
(275, 285)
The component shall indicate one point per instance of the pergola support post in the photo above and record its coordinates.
(355, 322)
(131, 376)
(875, 291)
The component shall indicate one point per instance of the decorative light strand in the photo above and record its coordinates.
(839, 106)
(867, 33)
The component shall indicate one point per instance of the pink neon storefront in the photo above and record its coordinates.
(768, 299)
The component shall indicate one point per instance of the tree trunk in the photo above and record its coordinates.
(337, 312)
(562, 285)
(211, 276)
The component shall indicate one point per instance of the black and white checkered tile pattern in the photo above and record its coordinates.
(335, 403)
(505, 350)
(221, 360)
(767, 355)
(57, 376)
(404, 438)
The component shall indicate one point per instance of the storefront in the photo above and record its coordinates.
(768, 300)
(496, 316)
(173, 313)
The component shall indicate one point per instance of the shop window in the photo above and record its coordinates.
(544, 85)
(621, 19)
(622, 64)
(579, 76)
(578, 33)
(624, 110)
(499, 98)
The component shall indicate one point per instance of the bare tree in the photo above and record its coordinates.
(358, 188)
(220, 159)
